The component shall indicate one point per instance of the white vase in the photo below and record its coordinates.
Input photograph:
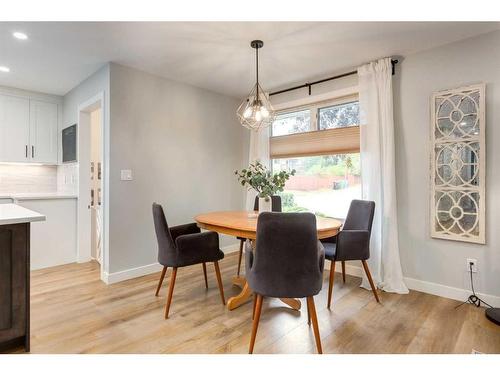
(265, 204)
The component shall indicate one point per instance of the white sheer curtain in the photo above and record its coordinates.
(259, 150)
(378, 172)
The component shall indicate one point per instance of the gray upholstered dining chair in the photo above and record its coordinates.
(352, 242)
(287, 263)
(275, 207)
(184, 245)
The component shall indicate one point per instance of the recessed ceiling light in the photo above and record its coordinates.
(20, 35)
(4, 69)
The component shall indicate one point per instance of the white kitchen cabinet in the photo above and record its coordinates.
(28, 130)
(43, 132)
(14, 128)
(53, 241)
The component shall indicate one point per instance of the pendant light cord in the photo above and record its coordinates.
(257, 70)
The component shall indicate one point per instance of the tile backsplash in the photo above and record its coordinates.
(20, 178)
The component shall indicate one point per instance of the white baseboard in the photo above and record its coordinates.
(233, 248)
(413, 284)
(349, 268)
(84, 259)
(353, 270)
(427, 286)
(447, 291)
(115, 277)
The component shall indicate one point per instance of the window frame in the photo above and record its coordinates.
(320, 136)
(316, 142)
(314, 111)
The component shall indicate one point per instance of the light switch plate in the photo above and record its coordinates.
(126, 175)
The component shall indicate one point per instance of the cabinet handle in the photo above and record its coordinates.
(26, 151)
(32, 151)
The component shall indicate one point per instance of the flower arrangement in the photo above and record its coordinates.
(259, 178)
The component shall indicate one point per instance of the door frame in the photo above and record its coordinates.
(84, 251)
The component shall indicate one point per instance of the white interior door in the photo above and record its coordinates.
(96, 184)
(14, 128)
(84, 186)
(91, 109)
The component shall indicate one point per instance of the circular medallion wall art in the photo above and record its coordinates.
(458, 164)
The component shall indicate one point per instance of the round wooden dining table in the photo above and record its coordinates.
(244, 224)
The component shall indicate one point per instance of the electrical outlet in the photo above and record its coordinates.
(474, 265)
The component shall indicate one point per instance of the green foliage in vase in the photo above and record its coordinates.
(259, 178)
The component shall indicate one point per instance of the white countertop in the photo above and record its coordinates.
(31, 196)
(11, 213)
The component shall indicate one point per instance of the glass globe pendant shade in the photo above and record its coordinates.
(256, 111)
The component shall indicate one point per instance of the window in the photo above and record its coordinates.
(292, 122)
(319, 116)
(321, 142)
(324, 185)
(339, 116)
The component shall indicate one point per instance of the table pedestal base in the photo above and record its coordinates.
(246, 294)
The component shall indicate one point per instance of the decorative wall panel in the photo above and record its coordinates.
(458, 164)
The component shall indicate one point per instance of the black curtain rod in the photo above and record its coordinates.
(309, 84)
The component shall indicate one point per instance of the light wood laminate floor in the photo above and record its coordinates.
(74, 312)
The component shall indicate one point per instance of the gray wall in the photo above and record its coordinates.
(321, 88)
(182, 144)
(418, 76)
(96, 83)
(440, 261)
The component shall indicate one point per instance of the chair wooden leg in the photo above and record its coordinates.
(162, 276)
(240, 256)
(258, 309)
(330, 284)
(170, 291)
(254, 303)
(219, 281)
(314, 318)
(308, 314)
(205, 273)
(343, 271)
(368, 274)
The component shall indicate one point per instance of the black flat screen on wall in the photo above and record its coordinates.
(69, 144)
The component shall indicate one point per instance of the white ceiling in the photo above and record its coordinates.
(216, 55)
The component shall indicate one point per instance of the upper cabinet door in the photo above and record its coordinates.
(14, 128)
(43, 132)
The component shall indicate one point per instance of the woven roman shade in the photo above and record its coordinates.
(321, 142)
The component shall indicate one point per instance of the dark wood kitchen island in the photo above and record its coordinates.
(15, 224)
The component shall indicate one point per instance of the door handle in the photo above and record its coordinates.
(32, 151)
(26, 151)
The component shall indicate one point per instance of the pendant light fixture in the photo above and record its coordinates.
(256, 111)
